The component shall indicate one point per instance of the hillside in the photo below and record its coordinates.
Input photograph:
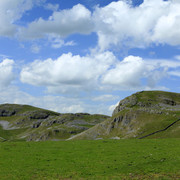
(23, 122)
(146, 114)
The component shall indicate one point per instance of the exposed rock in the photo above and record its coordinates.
(4, 112)
(7, 126)
(36, 124)
(169, 102)
(125, 104)
(38, 115)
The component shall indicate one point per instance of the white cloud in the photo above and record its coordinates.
(61, 23)
(68, 71)
(117, 24)
(168, 25)
(6, 73)
(154, 21)
(127, 73)
(99, 71)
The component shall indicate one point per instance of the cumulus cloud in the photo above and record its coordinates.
(61, 23)
(167, 28)
(6, 73)
(126, 73)
(116, 24)
(68, 71)
(121, 24)
(99, 71)
(136, 73)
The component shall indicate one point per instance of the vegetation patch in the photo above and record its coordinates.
(100, 159)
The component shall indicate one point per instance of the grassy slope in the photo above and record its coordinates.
(102, 159)
(153, 122)
(150, 122)
(45, 131)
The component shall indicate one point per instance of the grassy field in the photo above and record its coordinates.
(100, 159)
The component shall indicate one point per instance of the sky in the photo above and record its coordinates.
(85, 56)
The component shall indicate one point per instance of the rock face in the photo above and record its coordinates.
(139, 114)
(126, 103)
(34, 124)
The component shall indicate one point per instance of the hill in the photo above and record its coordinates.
(146, 114)
(24, 122)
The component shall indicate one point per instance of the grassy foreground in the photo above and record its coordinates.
(100, 159)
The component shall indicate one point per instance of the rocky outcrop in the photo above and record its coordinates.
(125, 104)
(142, 113)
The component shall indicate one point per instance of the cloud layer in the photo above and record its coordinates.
(117, 24)
(100, 71)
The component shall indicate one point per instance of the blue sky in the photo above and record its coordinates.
(87, 55)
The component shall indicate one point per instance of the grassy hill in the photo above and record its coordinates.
(23, 122)
(146, 114)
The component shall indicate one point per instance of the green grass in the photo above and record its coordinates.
(102, 159)
(10, 134)
(157, 95)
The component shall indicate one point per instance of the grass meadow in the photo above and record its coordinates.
(98, 159)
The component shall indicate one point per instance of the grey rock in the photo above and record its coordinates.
(4, 112)
(125, 104)
(39, 115)
(36, 124)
